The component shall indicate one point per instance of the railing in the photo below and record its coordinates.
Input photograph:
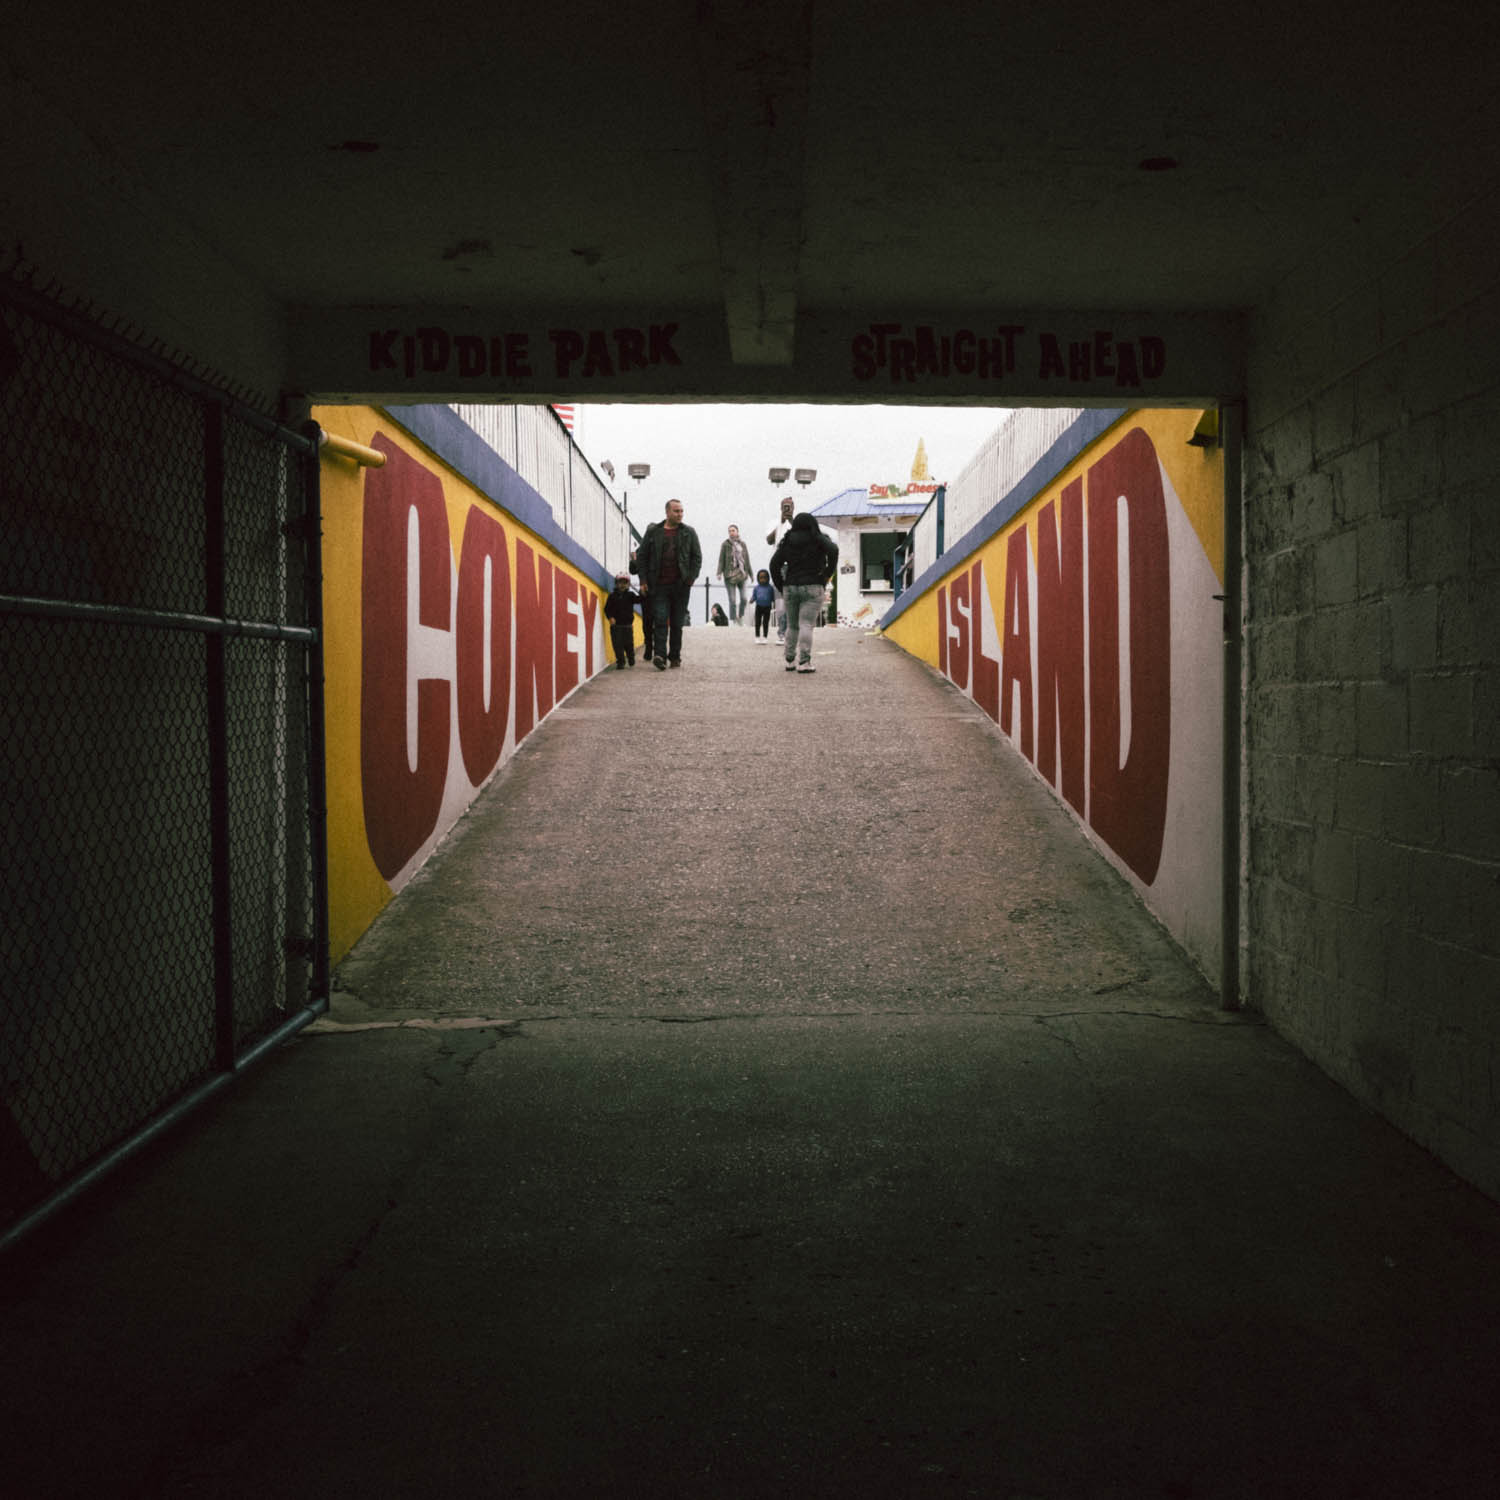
(536, 444)
(922, 543)
(1004, 460)
(1002, 463)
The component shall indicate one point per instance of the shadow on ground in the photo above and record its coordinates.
(766, 1092)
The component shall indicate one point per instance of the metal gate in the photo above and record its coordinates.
(162, 901)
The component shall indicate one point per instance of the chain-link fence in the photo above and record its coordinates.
(161, 886)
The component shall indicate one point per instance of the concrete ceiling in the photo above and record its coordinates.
(760, 161)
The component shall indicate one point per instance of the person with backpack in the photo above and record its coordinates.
(801, 568)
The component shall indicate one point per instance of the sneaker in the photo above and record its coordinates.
(674, 663)
(808, 668)
(619, 666)
(659, 662)
(791, 666)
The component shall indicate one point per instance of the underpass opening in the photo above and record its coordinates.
(1077, 591)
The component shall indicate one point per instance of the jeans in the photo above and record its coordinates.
(622, 638)
(780, 615)
(669, 606)
(803, 601)
(736, 592)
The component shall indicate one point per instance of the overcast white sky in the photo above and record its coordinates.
(714, 458)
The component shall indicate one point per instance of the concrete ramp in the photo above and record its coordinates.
(734, 840)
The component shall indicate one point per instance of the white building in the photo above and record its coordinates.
(868, 524)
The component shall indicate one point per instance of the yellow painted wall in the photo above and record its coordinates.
(1197, 475)
(357, 889)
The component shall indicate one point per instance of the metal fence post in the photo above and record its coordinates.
(217, 715)
(317, 778)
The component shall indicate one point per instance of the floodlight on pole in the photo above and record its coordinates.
(806, 476)
(779, 476)
(639, 473)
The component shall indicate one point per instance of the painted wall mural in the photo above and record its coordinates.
(451, 629)
(1084, 622)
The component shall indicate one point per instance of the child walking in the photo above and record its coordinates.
(619, 610)
(765, 601)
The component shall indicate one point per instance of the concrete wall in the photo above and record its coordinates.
(1373, 708)
(1081, 617)
(86, 231)
(457, 616)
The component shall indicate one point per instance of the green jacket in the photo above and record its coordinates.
(648, 554)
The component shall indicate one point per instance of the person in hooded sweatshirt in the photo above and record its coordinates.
(801, 567)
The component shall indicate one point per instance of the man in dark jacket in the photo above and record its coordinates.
(669, 559)
(801, 567)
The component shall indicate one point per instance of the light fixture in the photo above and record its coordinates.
(779, 476)
(609, 469)
(806, 476)
(1206, 433)
(638, 471)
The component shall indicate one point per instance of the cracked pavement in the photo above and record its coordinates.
(740, 1166)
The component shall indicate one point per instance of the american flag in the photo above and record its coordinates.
(565, 416)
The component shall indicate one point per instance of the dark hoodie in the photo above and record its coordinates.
(620, 603)
(805, 554)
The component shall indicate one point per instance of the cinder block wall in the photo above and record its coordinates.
(1372, 796)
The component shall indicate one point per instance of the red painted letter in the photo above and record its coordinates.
(565, 622)
(481, 725)
(533, 639)
(958, 652)
(1059, 645)
(1015, 638)
(590, 602)
(401, 802)
(1128, 801)
(985, 669)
